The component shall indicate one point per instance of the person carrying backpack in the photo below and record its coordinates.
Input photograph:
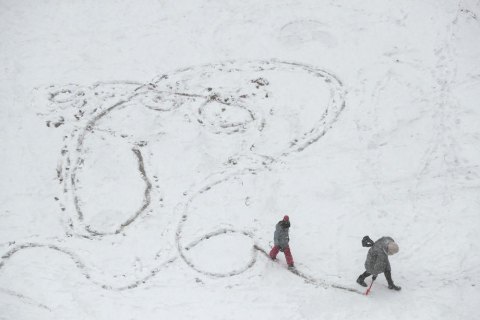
(377, 260)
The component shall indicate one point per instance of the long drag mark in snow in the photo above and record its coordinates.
(86, 272)
(23, 298)
(145, 204)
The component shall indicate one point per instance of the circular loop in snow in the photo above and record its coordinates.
(161, 101)
(69, 96)
(223, 253)
(223, 117)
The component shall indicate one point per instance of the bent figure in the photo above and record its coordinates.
(377, 261)
(281, 240)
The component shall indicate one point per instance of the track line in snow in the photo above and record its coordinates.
(311, 280)
(24, 299)
(80, 265)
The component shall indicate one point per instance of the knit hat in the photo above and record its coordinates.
(392, 248)
(286, 218)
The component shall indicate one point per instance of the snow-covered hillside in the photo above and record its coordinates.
(150, 147)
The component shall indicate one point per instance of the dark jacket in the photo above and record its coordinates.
(280, 237)
(377, 257)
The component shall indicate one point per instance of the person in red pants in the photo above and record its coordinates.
(281, 239)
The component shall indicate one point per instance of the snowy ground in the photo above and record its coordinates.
(149, 148)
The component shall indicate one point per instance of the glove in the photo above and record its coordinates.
(367, 242)
(374, 277)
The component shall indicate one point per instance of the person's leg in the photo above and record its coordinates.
(288, 256)
(274, 252)
(391, 285)
(361, 278)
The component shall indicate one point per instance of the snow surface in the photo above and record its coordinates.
(149, 148)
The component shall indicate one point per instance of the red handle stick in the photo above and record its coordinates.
(368, 290)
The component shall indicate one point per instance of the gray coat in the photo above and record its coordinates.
(377, 257)
(280, 237)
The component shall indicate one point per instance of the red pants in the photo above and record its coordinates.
(286, 251)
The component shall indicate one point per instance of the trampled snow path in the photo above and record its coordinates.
(210, 94)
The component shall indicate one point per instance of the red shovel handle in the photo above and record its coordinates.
(368, 290)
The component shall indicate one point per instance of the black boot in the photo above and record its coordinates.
(391, 285)
(361, 279)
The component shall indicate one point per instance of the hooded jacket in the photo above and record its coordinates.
(280, 237)
(377, 257)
